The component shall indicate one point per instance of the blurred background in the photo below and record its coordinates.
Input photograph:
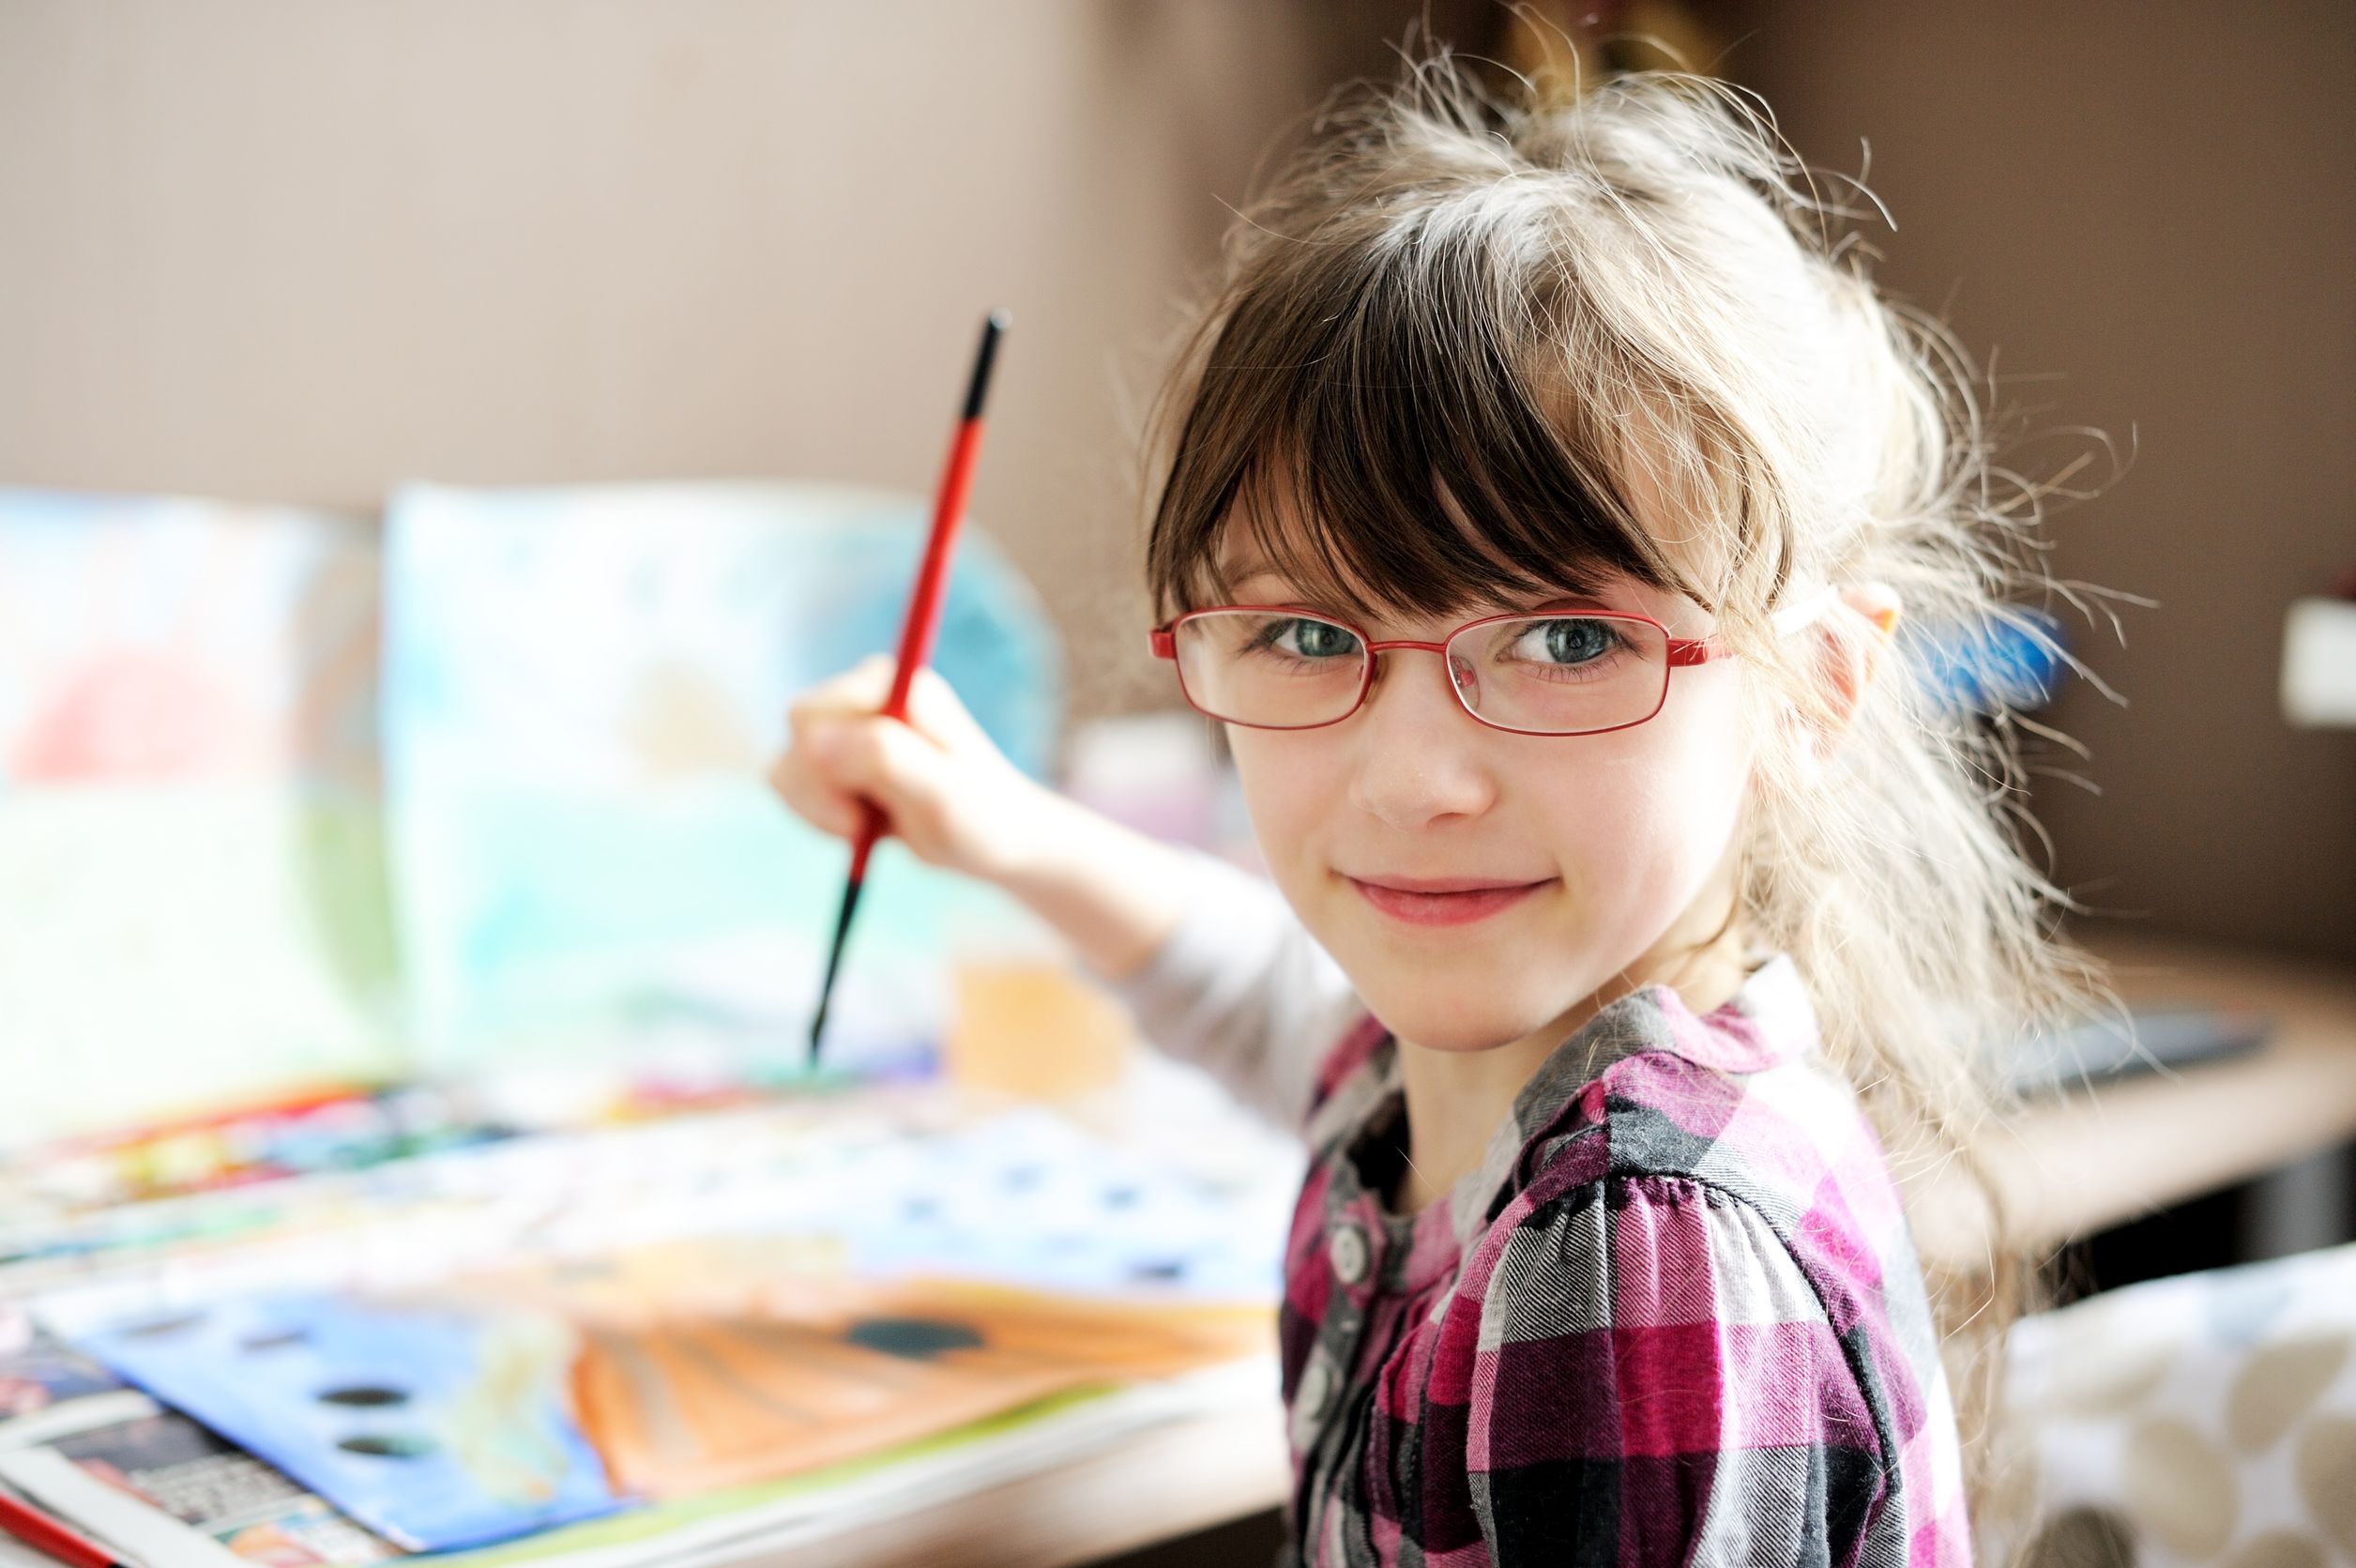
(279, 251)
(290, 255)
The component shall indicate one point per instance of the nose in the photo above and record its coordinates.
(1419, 754)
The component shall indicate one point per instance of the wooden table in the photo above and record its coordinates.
(1191, 1475)
(2073, 1164)
(2079, 1162)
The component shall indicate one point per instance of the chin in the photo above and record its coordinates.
(1439, 1025)
(1468, 1000)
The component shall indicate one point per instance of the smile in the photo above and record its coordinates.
(1443, 903)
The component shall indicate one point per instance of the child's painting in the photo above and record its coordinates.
(583, 689)
(502, 1405)
(195, 907)
(1027, 1200)
(436, 1424)
(804, 1374)
(543, 1328)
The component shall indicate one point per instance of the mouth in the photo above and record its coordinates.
(1442, 901)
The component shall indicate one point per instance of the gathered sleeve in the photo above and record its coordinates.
(1655, 1381)
(1243, 991)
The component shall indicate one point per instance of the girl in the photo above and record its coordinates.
(1541, 489)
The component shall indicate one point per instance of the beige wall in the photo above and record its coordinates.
(280, 249)
(2149, 209)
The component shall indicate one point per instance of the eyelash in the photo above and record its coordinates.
(1265, 642)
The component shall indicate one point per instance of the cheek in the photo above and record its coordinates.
(1288, 785)
(1646, 815)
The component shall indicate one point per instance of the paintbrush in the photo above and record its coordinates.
(917, 628)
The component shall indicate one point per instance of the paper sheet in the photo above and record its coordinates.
(582, 690)
(189, 813)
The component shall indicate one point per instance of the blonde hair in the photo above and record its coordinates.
(1462, 340)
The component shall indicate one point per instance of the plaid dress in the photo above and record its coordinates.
(1675, 1317)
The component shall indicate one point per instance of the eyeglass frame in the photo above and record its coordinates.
(1682, 653)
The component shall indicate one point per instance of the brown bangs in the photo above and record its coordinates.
(1368, 410)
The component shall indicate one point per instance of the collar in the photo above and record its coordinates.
(1767, 1021)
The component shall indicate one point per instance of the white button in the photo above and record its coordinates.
(1316, 1391)
(1348, 1252)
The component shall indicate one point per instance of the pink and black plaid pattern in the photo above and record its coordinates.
(1675, 1318)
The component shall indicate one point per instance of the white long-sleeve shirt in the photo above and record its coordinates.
(1241, 990)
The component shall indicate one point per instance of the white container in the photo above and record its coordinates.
(2319, 663)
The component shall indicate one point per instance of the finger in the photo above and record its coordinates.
(901, 770)
(860, 688)
(934, 706)
(876, 757)
(813, 800)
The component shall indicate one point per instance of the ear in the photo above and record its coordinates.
(1850, 644)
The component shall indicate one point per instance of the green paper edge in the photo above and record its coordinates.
(638, 1524)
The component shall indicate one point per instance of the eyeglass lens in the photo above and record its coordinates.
(1549, 674)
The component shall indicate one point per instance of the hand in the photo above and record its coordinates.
(946, 790)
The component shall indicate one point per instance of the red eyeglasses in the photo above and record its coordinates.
(1561, 672)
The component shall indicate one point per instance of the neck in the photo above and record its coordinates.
(1456, 1099)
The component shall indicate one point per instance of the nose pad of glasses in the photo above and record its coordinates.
(1467, 680)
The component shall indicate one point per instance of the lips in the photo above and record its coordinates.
(1442, 901)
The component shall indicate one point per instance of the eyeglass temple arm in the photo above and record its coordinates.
(1164, 642)
(1804, 611)
(1692, 651)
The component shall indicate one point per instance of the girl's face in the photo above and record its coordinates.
(1478, 885)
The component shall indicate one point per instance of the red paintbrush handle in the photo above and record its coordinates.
(47, 1535)
(924, 618)
(917, 628)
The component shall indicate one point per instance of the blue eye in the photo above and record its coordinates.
(1567, 640)
(1311, 639)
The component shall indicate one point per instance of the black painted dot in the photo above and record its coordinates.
(1162, 1268)
(388, 1445)
(164, 1328)
(915, 1339)
(365, 1396)
(280, 1339)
